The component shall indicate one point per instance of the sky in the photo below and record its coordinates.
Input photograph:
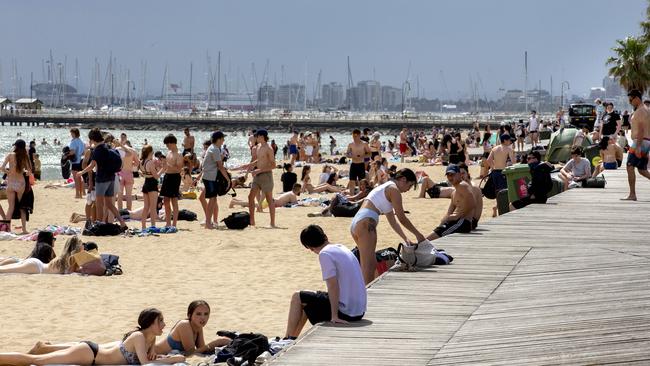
(446, 43)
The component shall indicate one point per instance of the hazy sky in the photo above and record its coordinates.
(451, 40)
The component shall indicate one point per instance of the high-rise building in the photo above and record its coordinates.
(333, 95)
(291, 96)
(266, 96)
(369, 95)
(391, 97)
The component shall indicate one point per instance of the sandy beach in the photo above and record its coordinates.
(247, 276)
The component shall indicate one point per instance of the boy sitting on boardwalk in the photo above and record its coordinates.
(345, 299)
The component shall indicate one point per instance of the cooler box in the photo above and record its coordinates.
(517, 176)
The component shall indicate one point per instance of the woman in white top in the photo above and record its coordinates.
(385, 199)
(61, 265)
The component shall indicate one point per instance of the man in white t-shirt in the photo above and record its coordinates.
(533, 128)
(345, 299)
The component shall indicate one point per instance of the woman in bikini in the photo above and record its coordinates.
(385, 199)
(61, 265)
(136, 348)
(187, 335)
(42, 251)
(17, 166)
(309, 188)
(150, 186)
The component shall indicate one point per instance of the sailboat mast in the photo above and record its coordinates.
(218, 80)
(191, 86)
(526, 80)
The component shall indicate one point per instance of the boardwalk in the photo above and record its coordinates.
(562, 283)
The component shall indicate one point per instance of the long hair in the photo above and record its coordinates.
(305, 170)
(72, 246)
(146, 151)
(146, 318)
(43, 252)
(604, 143)
(195, 304)
(22, 158)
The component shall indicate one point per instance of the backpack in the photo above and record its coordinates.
(385, 258)
(488, 188)
(186, 215)
(237, 220)
(223, 185)
(419, 255)
(247, 346)
(114, 161)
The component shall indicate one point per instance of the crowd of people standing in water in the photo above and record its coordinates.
(104, 169)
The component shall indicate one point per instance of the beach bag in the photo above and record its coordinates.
(237, 220)
(103, 229)
(385, 258)
(246, 346)
(5, 225)
(114, 161)
(487, 187)
(597, 182)
(422, 254)
(186, 215)
(191, 195)
(223, 185)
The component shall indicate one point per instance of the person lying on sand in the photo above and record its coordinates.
(186, 336)
(137, 347)
(42, 252)
(281, 201)
(61, 265)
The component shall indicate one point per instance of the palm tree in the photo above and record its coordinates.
(645, 25)
(631, 64)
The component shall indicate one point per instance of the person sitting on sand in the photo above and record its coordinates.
(309, 188)
(460, 214)
(42, 252)
(187, 184)
(345, 299)
(137, 347)
(345, 205)
(61, 265)
(385, 199)
(186, 336)
(282, 200)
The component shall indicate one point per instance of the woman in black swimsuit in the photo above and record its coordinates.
(150, 186)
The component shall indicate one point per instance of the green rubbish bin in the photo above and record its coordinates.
(591, 152)
(513, 174)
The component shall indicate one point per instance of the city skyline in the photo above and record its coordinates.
(437, 47)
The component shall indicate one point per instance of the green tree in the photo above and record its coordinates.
(645, 25)
(631, 65)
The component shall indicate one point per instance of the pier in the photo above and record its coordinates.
(563, 283)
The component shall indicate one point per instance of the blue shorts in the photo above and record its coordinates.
(293, 150)
(610, 166)
(210, 188)
(499, 180)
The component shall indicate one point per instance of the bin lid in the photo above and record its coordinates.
(516, 168)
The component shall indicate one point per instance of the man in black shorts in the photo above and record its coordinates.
(358, 150)
(170, 189)
(346, 298)
(461, 208)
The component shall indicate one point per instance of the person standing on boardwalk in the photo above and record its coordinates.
(77, 148)
(262, 175)
(172, 181)
(188, 142)
(637, 156)
(357, 152)
(497, 161)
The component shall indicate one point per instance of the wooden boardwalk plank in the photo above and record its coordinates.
(562, 283)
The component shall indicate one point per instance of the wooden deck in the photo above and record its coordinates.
(563, 283)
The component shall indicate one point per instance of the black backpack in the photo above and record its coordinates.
(237, 220)
(223, 186)
(114, 161)
(247, 346)
(187, 215)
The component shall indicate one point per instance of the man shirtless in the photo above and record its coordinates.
(460, 213)
(357, 152)
(637, 156)
(403, 143)
(188, 142)
(262, 175)
(172, 181)
(497, 161)
(281, 201)
(293, 147)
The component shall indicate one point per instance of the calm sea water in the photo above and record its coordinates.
(50, 155)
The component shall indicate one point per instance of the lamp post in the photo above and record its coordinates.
(568, 87)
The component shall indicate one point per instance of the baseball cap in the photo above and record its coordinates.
(262, 133)
(216, 135)
(452, 169)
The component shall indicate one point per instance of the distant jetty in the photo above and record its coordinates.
(235, 122)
